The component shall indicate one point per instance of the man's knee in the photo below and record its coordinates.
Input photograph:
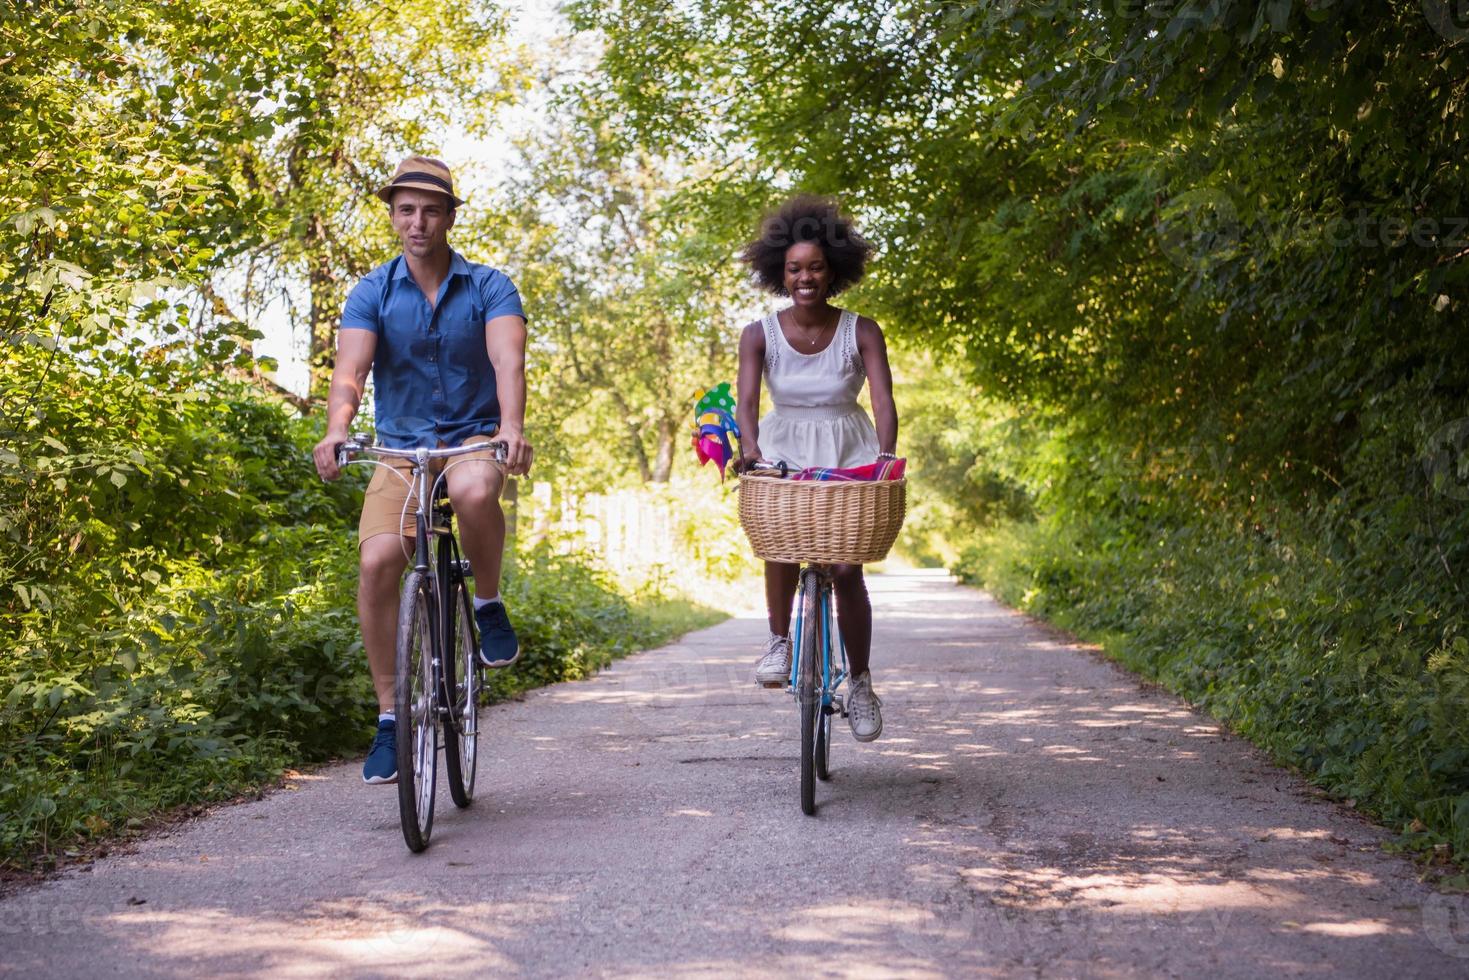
(474, 504)
(381, 561)
(475, 485)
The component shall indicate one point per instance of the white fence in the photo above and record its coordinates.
(630, 530)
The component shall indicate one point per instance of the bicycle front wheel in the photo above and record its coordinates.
(461, 694)
(418, 732)
(823, 742)
(807, 692)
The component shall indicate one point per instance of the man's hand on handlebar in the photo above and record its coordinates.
(518, 452)
(325, 455)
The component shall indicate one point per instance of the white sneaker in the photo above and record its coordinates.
(863, 712)
(774, 668)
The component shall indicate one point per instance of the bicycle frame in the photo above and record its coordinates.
(832, 676)
(436, 573)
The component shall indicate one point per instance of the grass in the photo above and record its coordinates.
(670, 617)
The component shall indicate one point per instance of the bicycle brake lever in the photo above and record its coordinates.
(355, 443)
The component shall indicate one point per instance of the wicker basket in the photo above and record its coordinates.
(827, 522)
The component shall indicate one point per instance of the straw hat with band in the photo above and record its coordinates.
(421, 174)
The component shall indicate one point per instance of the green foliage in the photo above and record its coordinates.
(966, 470)
(176, 616)
(712, 548)
(572, 620)
(1334, 636)
(1219, 224)
(1175, 218)
(114, 120)
(170, 601)
(670, 617)
(631, 299)
(1201, 268)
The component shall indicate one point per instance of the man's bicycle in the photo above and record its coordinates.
(438, 679)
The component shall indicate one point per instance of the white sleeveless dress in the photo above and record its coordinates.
(815, 419)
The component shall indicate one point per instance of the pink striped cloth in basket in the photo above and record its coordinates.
(883, 469)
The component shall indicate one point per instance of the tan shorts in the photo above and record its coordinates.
(382, 507)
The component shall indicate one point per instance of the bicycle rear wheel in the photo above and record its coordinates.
(807, 693)
(418, 732)
(461, 694)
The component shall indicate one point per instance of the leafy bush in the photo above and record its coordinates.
(1331, 631)
(571, 619)
(178, 620)
(712, 545)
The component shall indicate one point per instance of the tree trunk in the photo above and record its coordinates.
(639, 455)
(510, 500)
(320, 282)
(667, 439)
(634, 437)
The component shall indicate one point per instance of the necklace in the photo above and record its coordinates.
(807, 337)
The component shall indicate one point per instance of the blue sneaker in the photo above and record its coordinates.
(382, 761)
(498, 645)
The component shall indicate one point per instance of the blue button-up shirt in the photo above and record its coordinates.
(432, 378)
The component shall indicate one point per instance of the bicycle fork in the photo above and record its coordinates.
(435, 583)
(832, 677)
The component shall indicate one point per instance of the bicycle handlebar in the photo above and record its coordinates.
(766, 466)
(359, 443)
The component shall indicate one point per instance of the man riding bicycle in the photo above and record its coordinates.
(444, 339)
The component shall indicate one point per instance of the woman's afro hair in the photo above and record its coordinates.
(806, 218)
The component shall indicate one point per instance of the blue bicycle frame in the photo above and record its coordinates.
(832, 677)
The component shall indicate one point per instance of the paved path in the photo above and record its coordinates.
(1030, 810)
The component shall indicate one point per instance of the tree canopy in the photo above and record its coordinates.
(1173, 218)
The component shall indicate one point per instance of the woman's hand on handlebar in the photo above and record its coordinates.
(746, 460)
(759, 464)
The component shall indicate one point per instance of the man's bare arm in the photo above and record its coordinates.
(355, 351)
(505, 343)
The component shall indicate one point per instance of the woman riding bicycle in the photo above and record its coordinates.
(815, 357)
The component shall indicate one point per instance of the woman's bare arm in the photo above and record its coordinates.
(874, 351)
(747, 403)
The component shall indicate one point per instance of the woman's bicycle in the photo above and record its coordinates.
(438, 679)
(817, 525)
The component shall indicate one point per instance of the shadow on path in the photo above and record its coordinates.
(1030, 809)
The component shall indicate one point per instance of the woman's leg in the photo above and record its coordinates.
(854, 616)
(780, 592)
(774, 666)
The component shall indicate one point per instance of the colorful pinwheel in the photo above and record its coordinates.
(713, 424)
